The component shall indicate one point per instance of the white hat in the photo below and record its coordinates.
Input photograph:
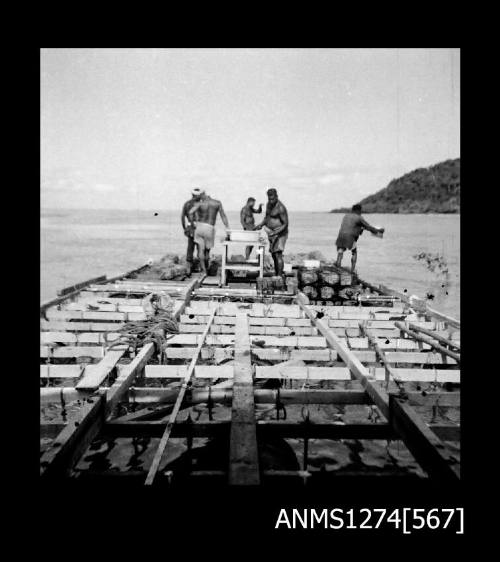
(197, 191)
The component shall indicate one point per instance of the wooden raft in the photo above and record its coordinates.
(382, 348)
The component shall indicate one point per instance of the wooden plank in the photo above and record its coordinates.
(243, 452)
(193, 339)
(66, 449)
(418, 358)
(56, 326)
(57, 337)
(308, 373)
(289, 341)
(378, 324)
(214, 353)
(180, 371)
(81, 338)
(252, 330)
(61, 371)
(95, 374)
(92, 297)
(80, 285)
(71, 351)
(428, 375)
(153, 469)
(66, 315)
(423, 443)
(388, 343)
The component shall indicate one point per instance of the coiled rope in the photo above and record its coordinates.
(154, 329)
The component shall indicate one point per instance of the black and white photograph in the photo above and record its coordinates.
(250, 277)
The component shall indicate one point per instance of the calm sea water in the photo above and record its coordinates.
(78, 245)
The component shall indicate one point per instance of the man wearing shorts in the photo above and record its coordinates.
(203, 215)
(275, 223)
(248, 221)
(189, 228)
(351, 228)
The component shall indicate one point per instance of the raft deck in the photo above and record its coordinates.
(236, 352)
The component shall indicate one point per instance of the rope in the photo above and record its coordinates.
(136, 334)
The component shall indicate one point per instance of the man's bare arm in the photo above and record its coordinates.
(192, 211)
(223, 216)
(242, 217)
(370, 227)
(257, 211)
(183, 217)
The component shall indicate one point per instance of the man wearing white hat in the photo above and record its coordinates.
(189, 227)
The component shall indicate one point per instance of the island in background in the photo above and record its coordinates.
(425, 190)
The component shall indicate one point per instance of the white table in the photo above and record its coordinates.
(254, 265)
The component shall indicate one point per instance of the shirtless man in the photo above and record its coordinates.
(351, 228)
(203, 215)
(275, 223)
(189, 228)
(248, 221)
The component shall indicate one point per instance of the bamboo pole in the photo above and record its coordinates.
(428, 341)
(165, 437)
(432, 334)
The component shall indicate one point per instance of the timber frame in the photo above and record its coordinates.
(379, 348)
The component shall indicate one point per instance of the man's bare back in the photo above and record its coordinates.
(206, 211)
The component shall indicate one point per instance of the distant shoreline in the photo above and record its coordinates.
(347, 210)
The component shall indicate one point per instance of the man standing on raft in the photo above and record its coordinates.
(203, 215)
(248, 221)
(351, 228)
(275, 223)
(189, 228)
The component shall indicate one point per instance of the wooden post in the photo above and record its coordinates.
(243, 455)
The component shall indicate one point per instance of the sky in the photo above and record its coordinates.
(139, 128)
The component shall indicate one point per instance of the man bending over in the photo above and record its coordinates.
(351, 228)
(204, 214)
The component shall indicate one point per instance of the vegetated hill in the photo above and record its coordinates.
(425, 190)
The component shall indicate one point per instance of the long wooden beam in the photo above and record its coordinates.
(66, 449)
(127, 374)
(143, 428)
(166, 435)
(243, 450)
